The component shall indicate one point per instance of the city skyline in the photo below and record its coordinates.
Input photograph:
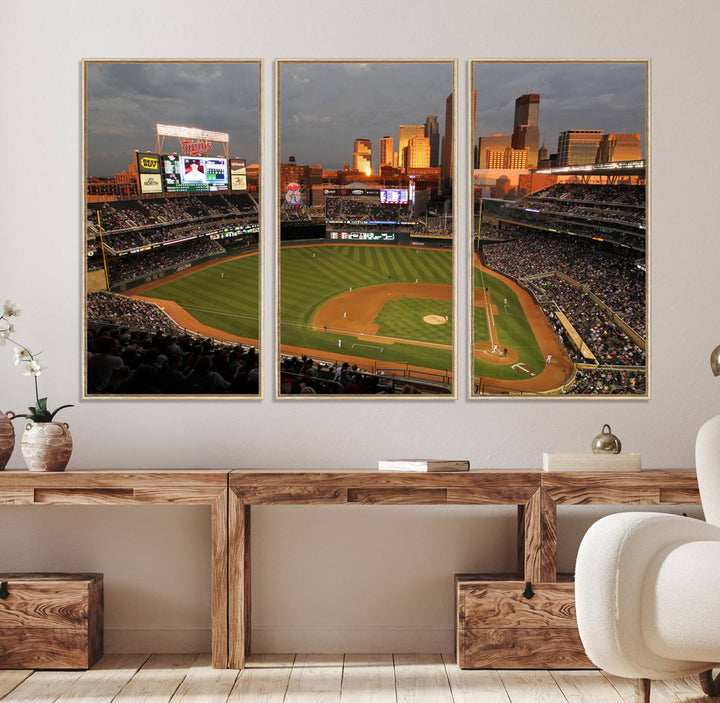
(125, 100)
(610, 96)
(326, 106)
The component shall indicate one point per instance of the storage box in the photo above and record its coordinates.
(592, 462)
(499, 627)
(50, 621)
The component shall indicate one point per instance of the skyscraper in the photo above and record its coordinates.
(432, 132)
(619, 147)
(526, 134)
(418, 153)
(577, 147)
(362, 156)
(405, 133)
(386, 151)
(446, 164)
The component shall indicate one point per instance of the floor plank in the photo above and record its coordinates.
(659, 692)
(10, 679)
(203, 684)
(158, 680)
(531, 687)
(43, 687)
(586, 687)
(105, 680)
(316, 678)
(421, 677)
(474, 685)
(368, 678)
(686, 688)
(264, 679)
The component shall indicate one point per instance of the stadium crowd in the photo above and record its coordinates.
(612, 276)
(604, 381)
(126, 268)
(133, 348)
(306, 376)
(347, 210)
(609, 344)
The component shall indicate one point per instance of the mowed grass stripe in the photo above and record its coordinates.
(228, 303)
(306, 283)
(405, 318)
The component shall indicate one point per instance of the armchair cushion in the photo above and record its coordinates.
(622, 559)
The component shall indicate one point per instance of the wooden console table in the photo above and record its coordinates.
(537, 495)
(201, 487)
(231, 495)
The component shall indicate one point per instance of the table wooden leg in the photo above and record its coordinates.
(537, 538)
(238, 581)
(219, 614)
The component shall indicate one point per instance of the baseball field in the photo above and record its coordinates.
(514, 347)
(373, 304)
(378, 302)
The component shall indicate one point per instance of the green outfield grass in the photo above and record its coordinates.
(312, 275)
(404, 318)
(512, 326)
(228, 303)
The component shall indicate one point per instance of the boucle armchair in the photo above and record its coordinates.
(647, 586)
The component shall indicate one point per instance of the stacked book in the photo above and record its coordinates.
(423, 465)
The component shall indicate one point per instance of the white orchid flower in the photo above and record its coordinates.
(22, 355)
(10, 309)
(33, 368)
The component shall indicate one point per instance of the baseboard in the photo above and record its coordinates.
(352, 638)
(274, 640)
(148, 640)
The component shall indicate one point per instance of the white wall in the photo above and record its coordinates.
(329, 577)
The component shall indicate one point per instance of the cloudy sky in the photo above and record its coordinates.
(607, 96)
(324, 107)
(126, 100)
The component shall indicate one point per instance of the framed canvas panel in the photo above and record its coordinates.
(559, 292)
(172, 233)
(366, 238)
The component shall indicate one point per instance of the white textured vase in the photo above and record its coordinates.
(46, 446)
(7, 437)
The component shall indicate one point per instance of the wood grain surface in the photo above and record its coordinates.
(522, 648)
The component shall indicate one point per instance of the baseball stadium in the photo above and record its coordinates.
(366, 292)
(172, 275)
(559, 287)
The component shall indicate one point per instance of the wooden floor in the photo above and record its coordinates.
(350, 678)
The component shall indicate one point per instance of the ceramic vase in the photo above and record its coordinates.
(46, 446)
(7, 437)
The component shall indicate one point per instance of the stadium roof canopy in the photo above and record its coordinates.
(617, 168)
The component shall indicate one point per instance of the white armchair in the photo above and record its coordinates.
(647, 586)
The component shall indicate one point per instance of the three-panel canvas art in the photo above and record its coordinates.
(380, 194)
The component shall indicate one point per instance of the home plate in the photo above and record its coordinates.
(434, 319)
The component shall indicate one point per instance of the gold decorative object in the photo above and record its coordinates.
(46, 446)
(7, 437)
(606, 442)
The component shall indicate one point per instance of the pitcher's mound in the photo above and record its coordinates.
(434, 320)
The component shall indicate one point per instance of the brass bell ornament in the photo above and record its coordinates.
(606, 442)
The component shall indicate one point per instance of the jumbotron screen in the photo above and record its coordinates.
(186, 174)
(394, 196)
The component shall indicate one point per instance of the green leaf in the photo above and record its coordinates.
(57, 410)
(42, 404)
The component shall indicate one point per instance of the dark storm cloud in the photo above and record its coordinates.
(608, 96)
(126, 100)
(324, 107)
